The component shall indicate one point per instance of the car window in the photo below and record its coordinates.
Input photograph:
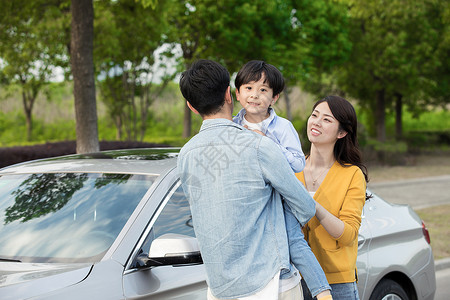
(65, 217)
(176, 216)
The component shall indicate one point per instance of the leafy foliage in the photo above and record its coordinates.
(396, 44)
(41, 194)
(126, 62)
(390, 57)
(33, 44)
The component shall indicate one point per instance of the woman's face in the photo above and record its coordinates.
(322, 127)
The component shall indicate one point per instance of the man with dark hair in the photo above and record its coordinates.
(204, 84)
(233, 179)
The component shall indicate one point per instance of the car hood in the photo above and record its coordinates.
(25, 280)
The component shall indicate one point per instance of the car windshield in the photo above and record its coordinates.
(65, 217)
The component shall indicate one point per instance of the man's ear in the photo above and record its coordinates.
(192, 108)
(228, 97)
(274, 99)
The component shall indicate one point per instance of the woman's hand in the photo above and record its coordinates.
(332, 225)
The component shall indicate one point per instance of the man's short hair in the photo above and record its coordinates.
(253, 70)
(204, 85)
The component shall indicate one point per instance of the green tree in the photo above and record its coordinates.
(437, 82)
(302, 38)
(36, 37)
(320, 42)
(394, 43)
(32, 44)
(128, 35)
(231, 32)
(418, 30)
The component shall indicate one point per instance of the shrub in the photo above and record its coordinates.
(389, 153)
(427, 139)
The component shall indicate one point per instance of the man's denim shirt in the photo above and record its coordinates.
(233, 179)
(283, 133)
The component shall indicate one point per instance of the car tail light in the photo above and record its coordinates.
(426, 234)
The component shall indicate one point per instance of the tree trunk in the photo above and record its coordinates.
(380, 115)
(28, 108)
(82, 63)
(118, 123)
(144, 107)
(132, 93)
(29, 96)
(398, 116)
(187, 122)
(29, 122)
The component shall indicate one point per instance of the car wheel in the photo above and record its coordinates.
(388, 289)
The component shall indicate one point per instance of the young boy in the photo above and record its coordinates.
(258, 86)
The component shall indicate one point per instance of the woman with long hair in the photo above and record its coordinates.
(336, 178)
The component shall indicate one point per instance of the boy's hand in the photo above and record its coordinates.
(255, 130)
(325, 295)
(260, 132)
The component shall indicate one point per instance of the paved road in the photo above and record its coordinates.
(418, 193)
(442, 280)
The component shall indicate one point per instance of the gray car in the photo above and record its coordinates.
(116, 225)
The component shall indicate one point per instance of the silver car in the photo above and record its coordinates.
(116, 225)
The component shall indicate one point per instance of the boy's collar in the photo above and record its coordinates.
(241, 113)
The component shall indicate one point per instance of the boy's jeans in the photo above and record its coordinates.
(302, 257)
(347, 291)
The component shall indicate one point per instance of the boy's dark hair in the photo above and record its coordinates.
(204, 85)
(252, 71)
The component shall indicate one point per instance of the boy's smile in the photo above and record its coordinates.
(256, 97)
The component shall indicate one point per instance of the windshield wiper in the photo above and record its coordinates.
(10, 260)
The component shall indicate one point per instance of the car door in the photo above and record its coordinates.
(168, 282)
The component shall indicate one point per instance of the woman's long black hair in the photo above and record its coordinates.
(346, 150)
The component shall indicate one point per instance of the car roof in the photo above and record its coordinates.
(148, 161)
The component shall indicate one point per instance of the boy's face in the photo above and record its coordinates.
(256, 97)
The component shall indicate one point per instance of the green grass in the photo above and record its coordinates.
(432, 120)
(438, 120)
(437, 220)
(53, 118)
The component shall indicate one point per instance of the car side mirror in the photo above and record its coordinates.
(171, 249)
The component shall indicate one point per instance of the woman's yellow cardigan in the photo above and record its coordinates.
(342, 193)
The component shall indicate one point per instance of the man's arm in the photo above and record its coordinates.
(278, 173)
